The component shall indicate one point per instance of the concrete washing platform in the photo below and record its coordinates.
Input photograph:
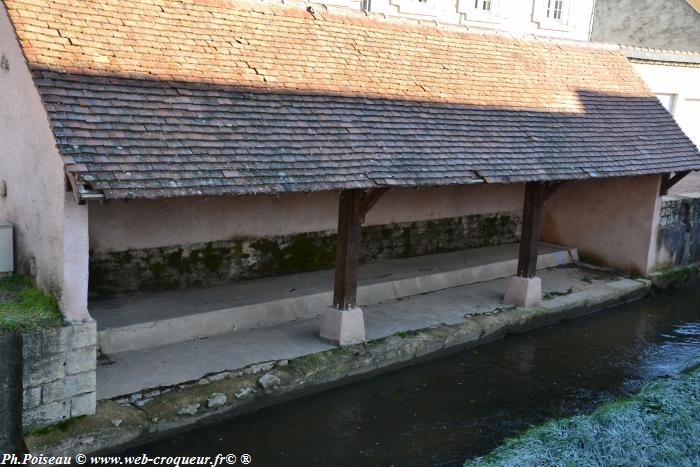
(237, 373)
(148, 320)
(135, 371)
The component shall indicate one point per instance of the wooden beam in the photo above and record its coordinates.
(353, 206)
(535, 195)
(347, 255)
(369, 199)
(550, 188)
(668, 181)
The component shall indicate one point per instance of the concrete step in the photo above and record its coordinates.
(156, 319)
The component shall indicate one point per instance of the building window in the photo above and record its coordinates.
(552, 14)
(484, 5)
(416, 7)
(555, 9)
(479, 10)
(668, 101)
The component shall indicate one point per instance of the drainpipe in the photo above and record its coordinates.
(10, 393)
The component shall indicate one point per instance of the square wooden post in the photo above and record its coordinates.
(525, 289)
(343, 323)
(347, 254)
(531, 226)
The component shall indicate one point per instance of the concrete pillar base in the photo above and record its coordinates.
(343, 327)
(524, 292)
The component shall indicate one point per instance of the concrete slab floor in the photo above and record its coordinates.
(148, 307)
(168, 365)
(157, 319)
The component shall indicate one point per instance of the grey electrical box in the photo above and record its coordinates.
(7, 260)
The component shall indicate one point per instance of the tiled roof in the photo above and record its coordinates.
(161, 98)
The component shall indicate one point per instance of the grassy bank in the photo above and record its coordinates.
(660, 426)
(23, 307)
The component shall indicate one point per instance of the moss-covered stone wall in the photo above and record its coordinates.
(247, 258)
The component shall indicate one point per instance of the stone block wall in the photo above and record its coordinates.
(678, 238)
(59, 374)
(248, 258)
(10, 391)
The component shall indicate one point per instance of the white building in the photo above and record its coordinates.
(554, 18)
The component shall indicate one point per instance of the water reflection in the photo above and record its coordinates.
(443, 411)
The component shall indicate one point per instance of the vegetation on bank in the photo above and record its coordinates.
(23, 307)
(660, 426)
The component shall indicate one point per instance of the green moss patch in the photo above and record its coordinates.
(658, 426)
(676, 276)
(23, 307)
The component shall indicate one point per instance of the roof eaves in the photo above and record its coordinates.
(660, 55)
(82, 191)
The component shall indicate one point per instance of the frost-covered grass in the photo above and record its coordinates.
(660, 426)
(23, 307)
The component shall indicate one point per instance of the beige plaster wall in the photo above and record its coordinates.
(120, 226)
(610, 221)
(36, 202)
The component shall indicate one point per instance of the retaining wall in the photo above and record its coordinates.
(114, 273)
(678, 237)
(59, 374)
(10, 392)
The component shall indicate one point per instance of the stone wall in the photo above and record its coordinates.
(247, 258)
(664, 24)
(678, 238)
(10, 392)
(59, 374)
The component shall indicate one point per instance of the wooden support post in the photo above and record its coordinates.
(525, 289)
(347, 255)
(354, 205)
(535, 195)
(343, 323)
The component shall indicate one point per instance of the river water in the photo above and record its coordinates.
(447, 410)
